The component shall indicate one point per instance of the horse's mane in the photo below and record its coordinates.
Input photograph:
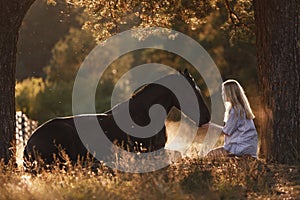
(144, 87)
(140, 89)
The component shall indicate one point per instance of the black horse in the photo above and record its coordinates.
(61, 133)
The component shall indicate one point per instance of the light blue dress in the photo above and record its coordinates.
(241, 138)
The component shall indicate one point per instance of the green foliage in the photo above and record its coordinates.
(54, 99)
(26, 93)
(110, 17)
(240, 21)
(45, 99)
(41, 28)
(68, 54)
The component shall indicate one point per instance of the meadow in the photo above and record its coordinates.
(191, 177)
(230, 178)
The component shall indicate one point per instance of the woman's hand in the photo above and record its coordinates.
(212, 125)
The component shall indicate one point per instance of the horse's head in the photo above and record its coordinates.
(203, 109)
(163, 92)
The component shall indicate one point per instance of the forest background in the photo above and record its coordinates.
(54, 42)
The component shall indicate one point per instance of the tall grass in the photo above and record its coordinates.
(228, 178)
(191, 177)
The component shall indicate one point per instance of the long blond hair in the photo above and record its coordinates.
(234, 97)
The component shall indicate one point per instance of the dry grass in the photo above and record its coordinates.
(192, 177)
(228, 178)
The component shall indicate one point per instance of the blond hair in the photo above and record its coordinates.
(234, 97)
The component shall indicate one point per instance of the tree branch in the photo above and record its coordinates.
(233, 14)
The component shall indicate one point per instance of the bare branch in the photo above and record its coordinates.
(234, 17)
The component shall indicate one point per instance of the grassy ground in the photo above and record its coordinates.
(230, 178)
(191, 177)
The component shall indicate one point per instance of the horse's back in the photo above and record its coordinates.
(52, 137)
(61, 134)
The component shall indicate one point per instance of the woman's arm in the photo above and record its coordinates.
(214, 127)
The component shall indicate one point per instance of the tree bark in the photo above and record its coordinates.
(12, 13)
(278, 53)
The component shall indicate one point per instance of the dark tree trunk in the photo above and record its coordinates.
(278, 52)
(12, 13)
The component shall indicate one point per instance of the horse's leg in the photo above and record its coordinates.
(159, 140)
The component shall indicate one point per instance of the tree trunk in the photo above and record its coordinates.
(12, 13)
(278, 52)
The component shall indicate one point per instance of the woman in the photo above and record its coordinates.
(239, 130)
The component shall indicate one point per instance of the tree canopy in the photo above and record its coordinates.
(110, 17)
(54, 98)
